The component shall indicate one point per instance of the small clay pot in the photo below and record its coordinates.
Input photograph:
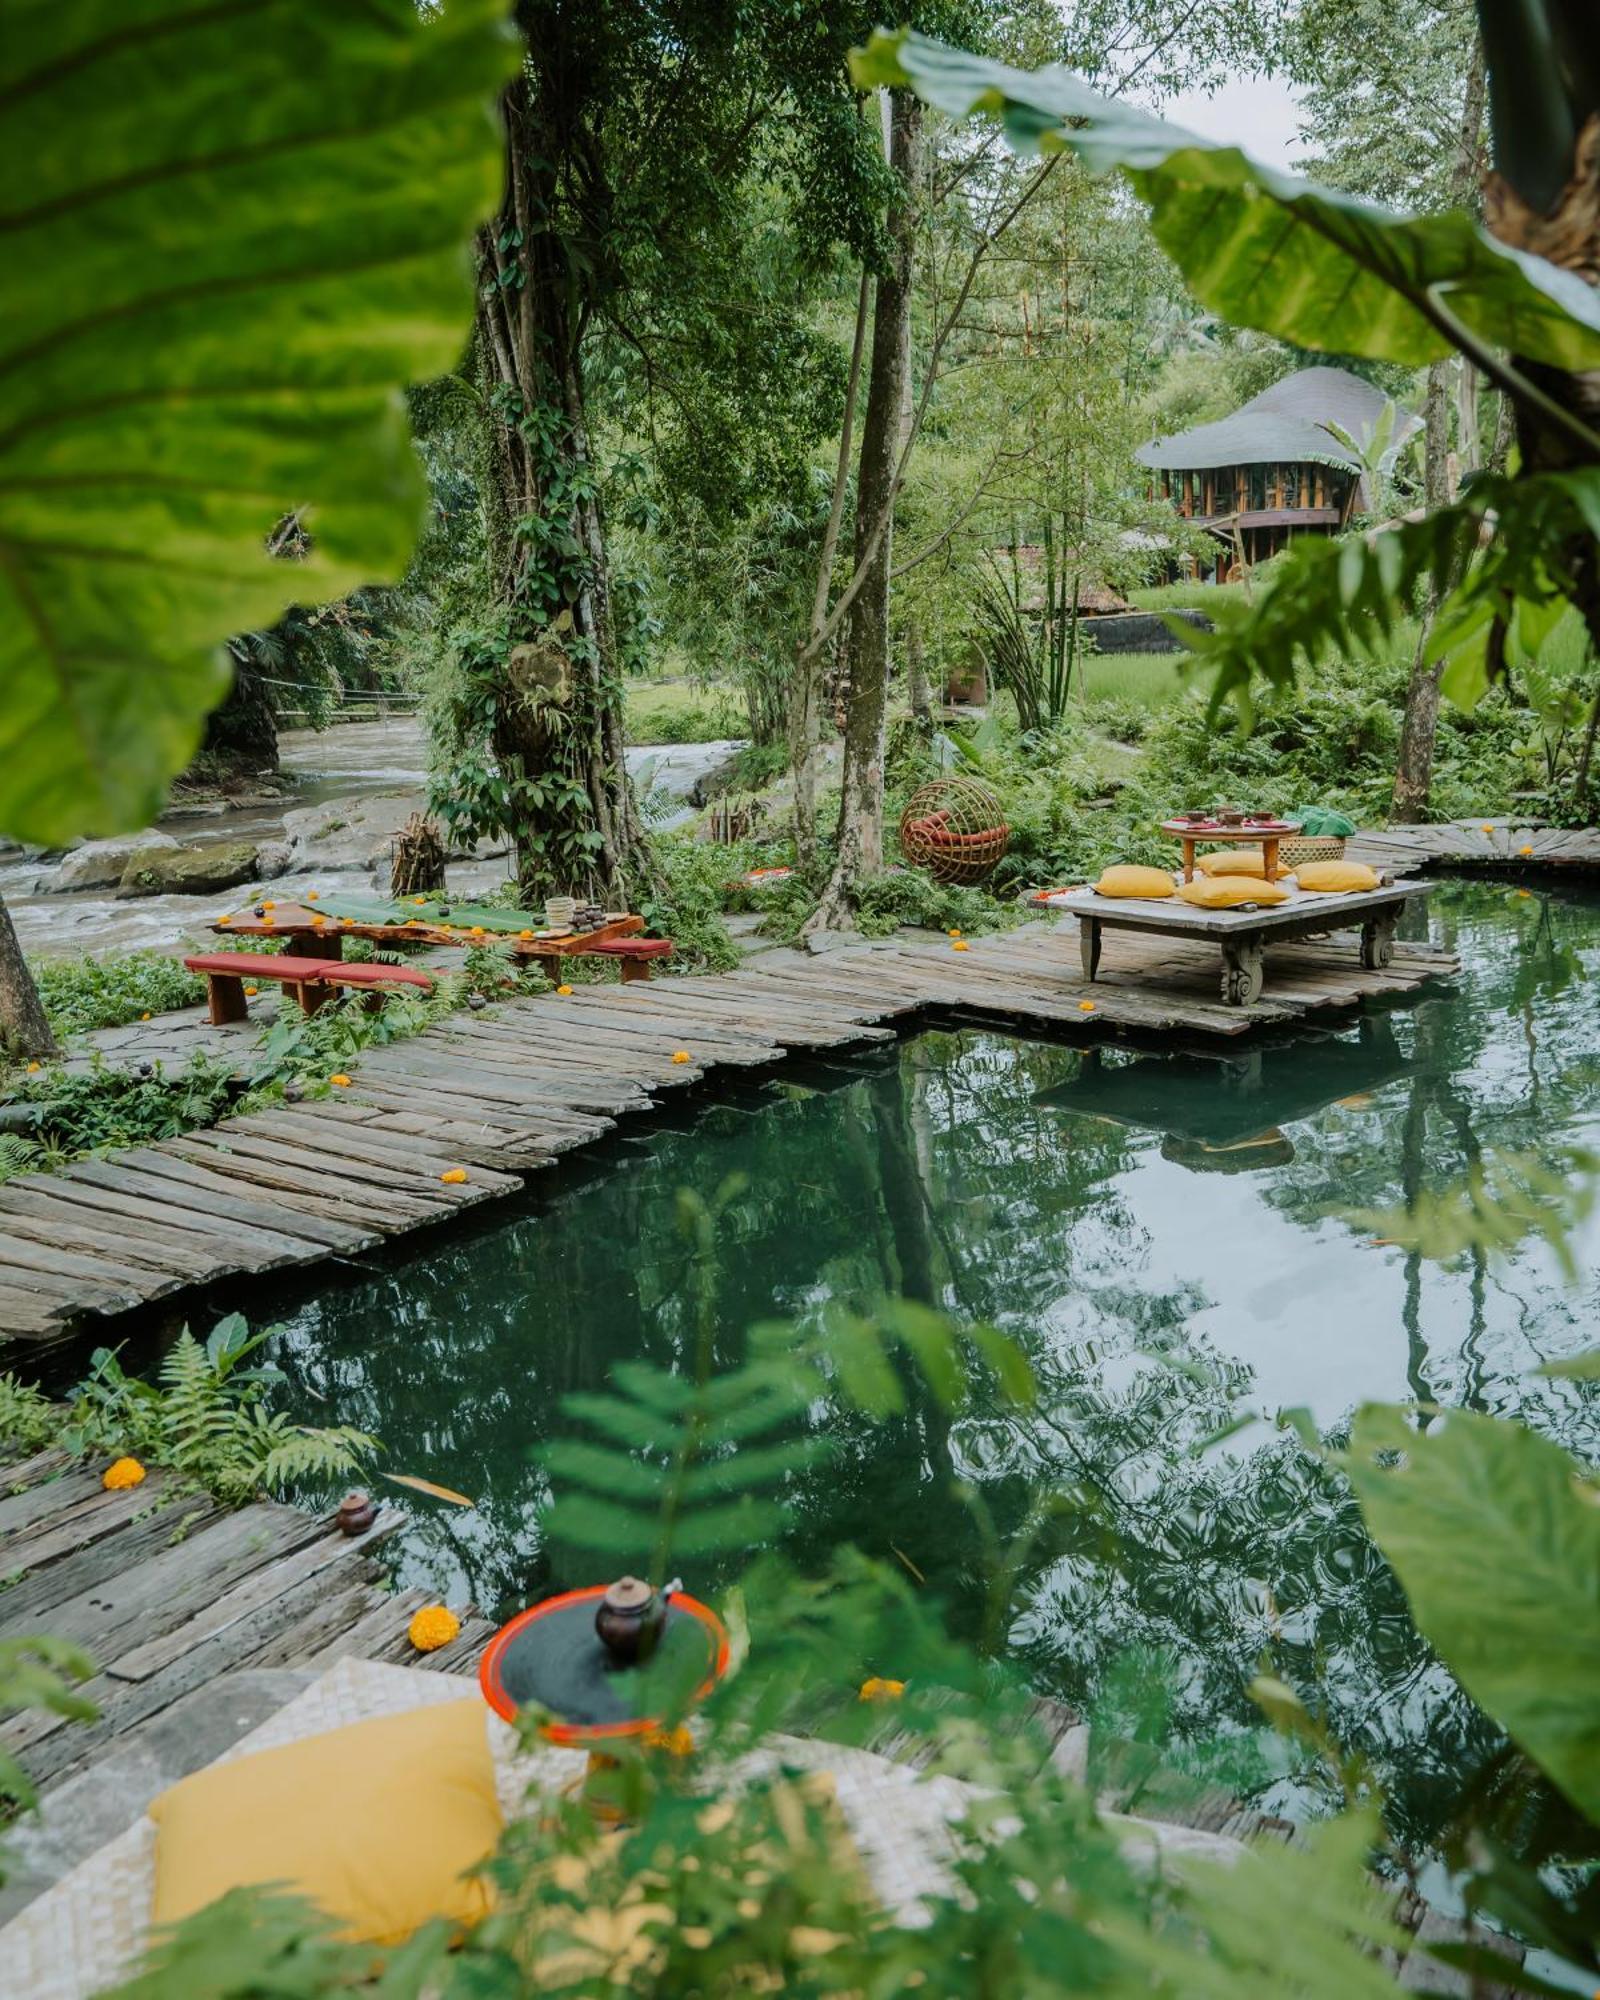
(629, 1619)
(356, 1514)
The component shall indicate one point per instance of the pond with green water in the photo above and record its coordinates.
(1174, 1238)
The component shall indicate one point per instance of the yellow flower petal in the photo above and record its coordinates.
(875, 1688)
(432, 1627)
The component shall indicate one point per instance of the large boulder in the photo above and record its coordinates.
(190, 871)
(101, 864)
(348, 833)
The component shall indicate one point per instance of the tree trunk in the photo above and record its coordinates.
(552, 679)
(918, 692)
(1413, 778)
(23, 1027)
(860, 851)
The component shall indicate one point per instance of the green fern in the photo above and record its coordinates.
(17, 1155)
(28, 1420)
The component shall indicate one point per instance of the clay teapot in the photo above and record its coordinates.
(629, 1619)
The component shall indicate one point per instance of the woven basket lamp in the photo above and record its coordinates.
(955, 828)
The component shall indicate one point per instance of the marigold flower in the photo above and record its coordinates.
(952, 933)
(432, 1627)
(676, 1742)
(318, 922)
(121, 1474)
(312, 895)
(1488, 826)
(959, 945)
(524, 934)
(565, 991)
(1085, 1006)
(454, 1176)
(1524, 850)
(223, 922)
(681, 1056)
(339, 1080)
(347, 922)
(267, 923)
(250, 994)
(419, 901)
(476, 931)
(875, 1688)
(144, 1017)
(33, 1069)
(267, 903)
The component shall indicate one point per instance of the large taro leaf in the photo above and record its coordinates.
(231, 233)
(1496, 1540)
(1266, 249)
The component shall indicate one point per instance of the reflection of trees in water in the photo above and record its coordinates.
(931, 1172)
(1463, 1098)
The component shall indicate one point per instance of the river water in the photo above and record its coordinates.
(1173, 1240)
(323, 768)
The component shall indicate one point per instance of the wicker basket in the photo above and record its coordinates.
(1310, 847)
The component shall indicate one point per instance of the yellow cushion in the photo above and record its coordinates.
(1336, 877)
(1235, 861)
(1223, 892)
(1126, 880)
(375, 1823)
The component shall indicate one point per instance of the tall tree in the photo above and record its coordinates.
(638, 140)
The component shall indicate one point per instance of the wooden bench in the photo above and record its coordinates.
(634, 954)
(309, 981)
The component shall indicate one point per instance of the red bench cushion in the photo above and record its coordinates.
(633, 948)
(340, 974)
(310, 971)
(263, 965)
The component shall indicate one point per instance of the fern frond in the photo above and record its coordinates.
(313, 1453)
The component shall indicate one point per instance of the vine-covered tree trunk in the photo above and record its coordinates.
(1413, 778)
(1544, 196)
(860, 849)
(23, 1026)
(550, 676)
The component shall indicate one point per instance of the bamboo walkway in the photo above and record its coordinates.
(504, 1092)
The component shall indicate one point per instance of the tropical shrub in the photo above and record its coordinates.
(111, 990)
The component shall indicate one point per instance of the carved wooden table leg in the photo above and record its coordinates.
(1089, 946)
(1377, 939)
(1243, 970)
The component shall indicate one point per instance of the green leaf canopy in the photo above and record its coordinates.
(1496, 1541)
(231, 235)
(1266, 249)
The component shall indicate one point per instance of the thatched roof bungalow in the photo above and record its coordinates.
(1274, 470)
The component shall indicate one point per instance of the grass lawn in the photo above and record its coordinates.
(681, 712)
(1148, 680)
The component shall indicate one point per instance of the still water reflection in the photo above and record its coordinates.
(1170, 1237)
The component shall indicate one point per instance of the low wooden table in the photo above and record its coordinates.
(1244, 934)
(1262, 833)
(314, 933)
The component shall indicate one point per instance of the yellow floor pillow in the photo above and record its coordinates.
(1226, 892)
(374, 1823)
(1126, 880)
(1336, 877)
(1235, 861)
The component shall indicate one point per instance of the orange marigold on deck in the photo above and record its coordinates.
(339, 1080)
(454, 1176)
(875, 1688)
(432, 1627)
(681, 1056)
(675, 1742)
(1085, 1006)
(122, 1473)
(567, 990)
(959, 945)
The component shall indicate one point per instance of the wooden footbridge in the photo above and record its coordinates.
(501, 1093)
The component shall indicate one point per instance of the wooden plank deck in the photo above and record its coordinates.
(505, 1092)
(166, 1590)
(1475, 844)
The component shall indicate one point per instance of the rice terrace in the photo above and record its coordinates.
(799, 918)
